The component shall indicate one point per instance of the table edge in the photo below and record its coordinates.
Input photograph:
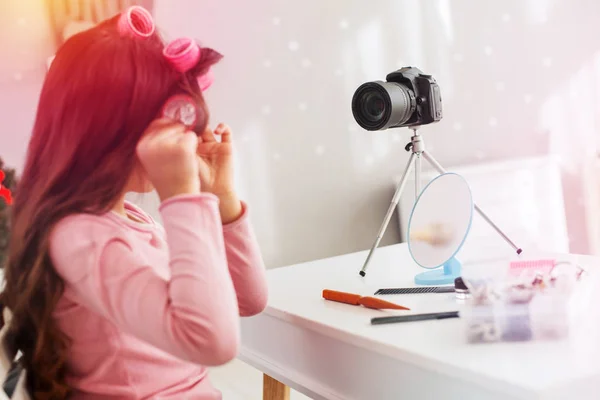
(394, 352)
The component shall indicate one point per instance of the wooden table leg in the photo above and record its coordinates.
(274, 390)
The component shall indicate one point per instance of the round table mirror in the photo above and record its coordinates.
(439, 224)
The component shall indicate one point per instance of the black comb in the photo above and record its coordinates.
(417, 290)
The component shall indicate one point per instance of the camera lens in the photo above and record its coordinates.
(381, 105)
(373, 106)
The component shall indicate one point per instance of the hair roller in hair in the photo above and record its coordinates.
(136, 21)
(184, 54)
(181, 108)
(206, 80)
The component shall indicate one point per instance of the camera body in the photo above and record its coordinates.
(426, 92)
(407, 98)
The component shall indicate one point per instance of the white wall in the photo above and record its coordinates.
(518, 78)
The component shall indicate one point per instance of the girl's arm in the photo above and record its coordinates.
(246, 265)
(193, 316)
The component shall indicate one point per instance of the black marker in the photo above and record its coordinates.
(414, 317)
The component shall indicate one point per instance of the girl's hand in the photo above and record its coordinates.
(215, 165)
(167, 151)
(215, 161)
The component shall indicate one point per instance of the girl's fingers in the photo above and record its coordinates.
(166, 133)
(224, 131)
(164, 123)
(207, 136)
(226, 137)
(221, 128)
(189, 140)
(162, 129)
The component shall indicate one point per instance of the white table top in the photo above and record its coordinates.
(440, 345)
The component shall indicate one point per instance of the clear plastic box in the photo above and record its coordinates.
(531, 302)
(545, 317)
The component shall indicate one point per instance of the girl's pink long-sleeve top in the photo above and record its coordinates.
(147, 309)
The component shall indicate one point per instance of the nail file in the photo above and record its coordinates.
(358, 300)
(417, 290)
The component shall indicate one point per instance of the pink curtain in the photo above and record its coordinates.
(68, 16)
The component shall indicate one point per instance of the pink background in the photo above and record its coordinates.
(518, 78)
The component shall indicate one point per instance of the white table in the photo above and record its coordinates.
(329, 350)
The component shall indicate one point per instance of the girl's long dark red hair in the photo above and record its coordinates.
(100, 94)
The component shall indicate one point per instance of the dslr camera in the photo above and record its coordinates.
(407, 98)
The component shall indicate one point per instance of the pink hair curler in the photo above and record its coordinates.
(184, 54)
(206, 80)
(136, 21)
(181, 108)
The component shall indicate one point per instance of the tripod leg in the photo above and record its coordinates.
(390, 212)
(497, 229)
(487, 219)
(418, 176)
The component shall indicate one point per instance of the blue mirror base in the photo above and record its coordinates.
(441, 276)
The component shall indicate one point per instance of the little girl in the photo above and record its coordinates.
(106, 303)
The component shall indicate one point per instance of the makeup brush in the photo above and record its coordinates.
(435, 234)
